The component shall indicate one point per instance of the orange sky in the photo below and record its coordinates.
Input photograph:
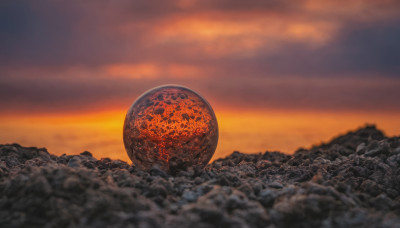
(279, 74)
(251, 132)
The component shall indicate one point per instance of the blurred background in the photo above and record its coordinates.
(279, 74)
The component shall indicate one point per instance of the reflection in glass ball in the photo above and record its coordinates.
(170, 126)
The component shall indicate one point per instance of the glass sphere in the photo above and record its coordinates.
(170, 126)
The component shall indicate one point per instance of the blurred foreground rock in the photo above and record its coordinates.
(353, 181)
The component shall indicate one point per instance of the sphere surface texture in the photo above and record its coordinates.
(170, 126)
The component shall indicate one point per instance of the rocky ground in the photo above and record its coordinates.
(352, 181)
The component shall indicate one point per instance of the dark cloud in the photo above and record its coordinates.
(32, 34)
(238, 5)
(310, 94)
(54, 33)
(90, 94)
(372, 47)
(358, 50)
(64, 95)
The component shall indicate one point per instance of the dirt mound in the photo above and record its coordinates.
(352, 181)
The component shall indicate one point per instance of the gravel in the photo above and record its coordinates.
(352, 181)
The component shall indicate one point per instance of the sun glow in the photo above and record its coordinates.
(245, 131)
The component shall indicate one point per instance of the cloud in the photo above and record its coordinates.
(88, 94)
(83, 55)
(58, 33)
(154, 71)
(357, 50)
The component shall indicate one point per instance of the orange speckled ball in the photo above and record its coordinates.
(170, 126)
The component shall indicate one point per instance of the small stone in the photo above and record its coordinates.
(74, 162)
(263, 164)
(275, 185)
(396, 151)
(360, 148)
(190, 196)
(86, 153)
(267, 197)
(156, 171)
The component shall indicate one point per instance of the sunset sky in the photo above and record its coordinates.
(279, 74)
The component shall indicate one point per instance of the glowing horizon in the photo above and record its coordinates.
(247, 132)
